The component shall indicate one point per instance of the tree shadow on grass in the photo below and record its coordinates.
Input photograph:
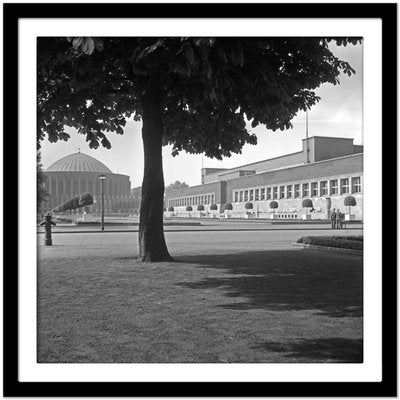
(334, 349)
(331, 283)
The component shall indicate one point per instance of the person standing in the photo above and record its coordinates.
(338, 213)
(333, 219)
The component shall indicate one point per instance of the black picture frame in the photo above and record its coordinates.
(12, 386)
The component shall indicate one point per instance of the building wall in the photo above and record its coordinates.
(260, 166)
(63, 186)
(333, 173)
(324, 148)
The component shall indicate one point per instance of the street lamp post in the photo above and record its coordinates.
(102, 179)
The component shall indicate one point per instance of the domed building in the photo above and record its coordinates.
(78, 173)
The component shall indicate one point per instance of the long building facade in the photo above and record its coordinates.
(326, 171)
(79, 173)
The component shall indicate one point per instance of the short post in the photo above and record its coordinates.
(47, 223)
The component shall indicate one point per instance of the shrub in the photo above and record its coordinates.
(170, 208)
(85, 199)
(273, 204)
(343, 242)
(200, 207)
(248, 206)
(228, 206)
(307, 203)
(213, 207)
(189, 208)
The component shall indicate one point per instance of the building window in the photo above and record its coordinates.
(344, 186)
(246, 195)
(275, 192)
(297, 190)
(236, 197)
(324, 188)
(356, 185)
(314, 189)
(251, 196)
(241, 196)
(334, 186)
(262, 195)
(306, 189)
(268, 193)
(257, 194)
(289, 191)
(282, 192)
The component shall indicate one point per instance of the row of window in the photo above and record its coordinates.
(309, 189)
(192, 200)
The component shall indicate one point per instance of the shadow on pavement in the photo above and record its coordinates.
(330, 283)
(340, 350)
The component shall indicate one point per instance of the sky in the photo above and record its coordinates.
(338, 114)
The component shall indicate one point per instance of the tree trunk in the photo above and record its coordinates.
(152, 246)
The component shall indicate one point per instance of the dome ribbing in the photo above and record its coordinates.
(78, 162)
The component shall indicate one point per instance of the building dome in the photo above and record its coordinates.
(78, 162)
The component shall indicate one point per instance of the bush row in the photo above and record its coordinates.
(85, 199)
(334, 241)
(306, 203)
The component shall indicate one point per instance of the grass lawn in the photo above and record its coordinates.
(284, 306)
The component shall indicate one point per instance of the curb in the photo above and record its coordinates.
(335, 249)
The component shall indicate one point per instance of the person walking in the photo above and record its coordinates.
(333, 219)
(338, 213)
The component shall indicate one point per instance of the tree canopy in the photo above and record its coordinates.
(209, 87)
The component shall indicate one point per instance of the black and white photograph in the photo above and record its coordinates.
(203, 193)
(238, 241)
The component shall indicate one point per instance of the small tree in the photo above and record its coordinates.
(248, 206)
(200, 207)
(350, 201)
(213, 207)
(228, 206)
(189, 208)
(273, 205)
(85, 200)
(171, 209)
(307, 203)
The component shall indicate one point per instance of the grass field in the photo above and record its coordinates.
(283, 305)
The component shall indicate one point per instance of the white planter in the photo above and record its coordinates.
(87, 218)
(349, 217)
(306, 216)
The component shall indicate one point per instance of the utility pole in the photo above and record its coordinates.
(307, 144)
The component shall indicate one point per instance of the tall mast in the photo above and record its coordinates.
(307, 145)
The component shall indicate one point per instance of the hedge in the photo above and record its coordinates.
(189, 208)
(200, 207)
(343, 242)
(248, 206)
(213, 207)
(170, 209)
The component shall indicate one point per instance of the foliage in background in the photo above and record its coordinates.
(41, 192)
